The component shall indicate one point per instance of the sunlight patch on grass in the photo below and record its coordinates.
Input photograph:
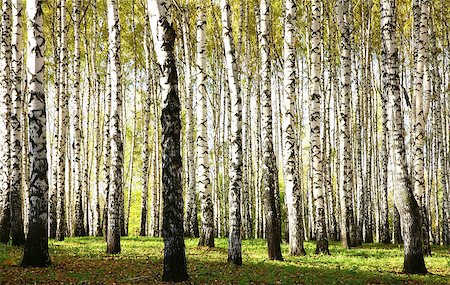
(84, 260)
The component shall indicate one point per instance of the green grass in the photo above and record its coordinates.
(84, 261)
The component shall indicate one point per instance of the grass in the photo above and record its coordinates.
(84, 261)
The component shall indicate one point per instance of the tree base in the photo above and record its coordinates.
(206, 239)
(175, 269)
(299, 251)
(35, 258)
(236, 260)
(60, 237)
(414, 264)
(113, 249)
(322, 247)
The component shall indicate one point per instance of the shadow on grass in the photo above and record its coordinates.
(79, 260)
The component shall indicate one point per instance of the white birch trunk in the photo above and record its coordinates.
(116, 171)
(36, 245)
(290, 148)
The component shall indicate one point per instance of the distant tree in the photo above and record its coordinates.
(98, 231)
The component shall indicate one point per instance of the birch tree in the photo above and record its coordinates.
(203, 181)
(348, 233)
(270, 169)
(315, 99)
(63, 123)
(163, 33)
(5, 126)
(145, 147)
(35, 253)
(17, 232)
(420, 115)
(75, 122)
(291, 179)
(116, 174)
(403, 194)
(191, 222)
(235, 172)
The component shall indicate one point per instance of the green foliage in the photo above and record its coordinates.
(78, 260)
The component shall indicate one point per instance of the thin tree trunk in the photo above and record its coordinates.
(191, 221)
(146, 118)
(316, 156)
(115, 188)
(79, 229)
(61, 228)
(52, 219)
(98, 231)
(235, 170)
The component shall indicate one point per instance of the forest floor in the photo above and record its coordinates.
(84, 261)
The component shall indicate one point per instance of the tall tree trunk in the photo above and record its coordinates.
(154, 223)
(61, 227)
(348, 231)
(403, 194)
(315, 99)
(164, 40)
(53, 191)
(270, 169)
(36, 246)
(115, 188)
(235, 170)
(146, 118)
(17, 233)
(191, 221)
(106, 150)
(291, 174)
(5, 127)
(445, 185)
(421, 112)
(98, 231)
(203, 181)
(75, 120)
